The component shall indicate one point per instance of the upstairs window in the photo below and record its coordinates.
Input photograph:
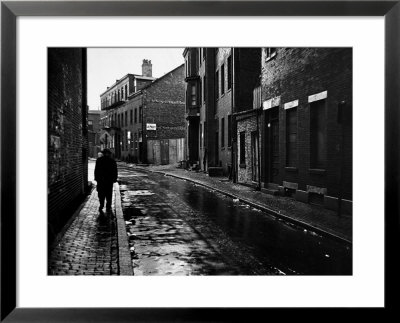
(270, 52)
(216, 84)
(222, 79)
(229, 72)
(193, 95)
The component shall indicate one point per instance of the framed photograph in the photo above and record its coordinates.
(242, 131)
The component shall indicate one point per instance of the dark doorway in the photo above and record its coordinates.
(164, 147)
(254, 156)
(217, 149)
(272, 142)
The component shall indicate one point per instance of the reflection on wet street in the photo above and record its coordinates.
(180, 228)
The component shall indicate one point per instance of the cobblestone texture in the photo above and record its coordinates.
(89, 246)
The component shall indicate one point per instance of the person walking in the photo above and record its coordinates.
(105, 174)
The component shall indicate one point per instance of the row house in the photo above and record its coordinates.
(219, 83)
(306, 124)
(148, 125)
(277, 119)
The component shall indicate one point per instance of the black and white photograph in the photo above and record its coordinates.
(200, 161)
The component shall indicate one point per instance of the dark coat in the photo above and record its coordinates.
(105, 171)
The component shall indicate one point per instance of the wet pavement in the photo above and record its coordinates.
(176, 227)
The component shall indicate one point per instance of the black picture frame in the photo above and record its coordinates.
(10, 10)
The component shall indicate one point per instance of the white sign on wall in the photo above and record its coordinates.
(151, 126)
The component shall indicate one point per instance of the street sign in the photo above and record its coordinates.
(151, 126)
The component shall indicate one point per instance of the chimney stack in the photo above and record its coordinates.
(147, 68)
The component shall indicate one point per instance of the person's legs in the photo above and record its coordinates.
(101, 194)
(109, 191)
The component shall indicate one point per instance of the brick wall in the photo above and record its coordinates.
(248, 124)
(164, 105)
(67, 134)
(295, 74)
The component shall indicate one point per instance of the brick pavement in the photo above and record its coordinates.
(89, 245)
(312, 217)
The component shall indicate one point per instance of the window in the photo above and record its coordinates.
(216, 85)
(90, 123)
(119, 120)
(126, 118)
(204, 88)
(140, 115)
(131, 116)
(126, 91)
(242, 146)
(229, 130)
(222, 79)
(122, 94)
(193, 95)
(222, 132)
(204, 53)
(291, 137)
(270, 52)
(135, 115)
(229, 72)
(201, 135)
(200, 92)
(122, 119)
(318, 134)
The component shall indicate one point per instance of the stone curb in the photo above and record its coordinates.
(124, 256)
(265, 209)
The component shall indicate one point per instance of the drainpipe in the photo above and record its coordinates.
(233, 120)
(258, 151)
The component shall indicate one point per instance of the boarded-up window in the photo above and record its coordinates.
(291, 137)
(318, 134)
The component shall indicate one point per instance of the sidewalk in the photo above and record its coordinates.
(310, 217)
(92, 243)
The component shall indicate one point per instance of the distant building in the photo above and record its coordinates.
(67, 135)
(148, 125)
(94, 132)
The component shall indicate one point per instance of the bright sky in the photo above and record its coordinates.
(106, 65)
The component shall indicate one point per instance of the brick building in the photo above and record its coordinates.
(220, 83)
(117, 117)
(148, 125)
(67, 135)
(307, 124)
(94, 132)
